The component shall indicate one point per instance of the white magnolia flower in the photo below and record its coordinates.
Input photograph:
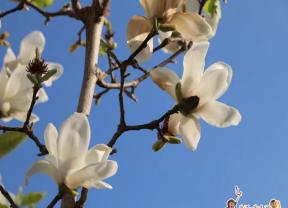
(15, 96)
(190, 25)
(207, 85)
(28, 47)
(213, 20)
(69, 161)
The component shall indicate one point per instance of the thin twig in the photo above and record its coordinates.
(81, 202)
(150, 126)
(201, 6)
(8, 197)
(19, 7)
(55, 200)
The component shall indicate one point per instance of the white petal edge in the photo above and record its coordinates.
(74, 137)
(42, 166)
(51, 137)
(214, 83)
(190, 131)
(193, 67)
(219, 114)
(166, 79)
(29, 44)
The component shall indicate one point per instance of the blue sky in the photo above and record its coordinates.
(252, 37)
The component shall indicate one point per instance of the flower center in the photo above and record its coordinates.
(187, 104)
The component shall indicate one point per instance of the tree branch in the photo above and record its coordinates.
(47, 15)
(8, 197)
(55, 200)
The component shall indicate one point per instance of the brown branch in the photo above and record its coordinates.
(76, 5)
(201, 6)
(142, 46)
(162, 45)
(46, 14)
(19, 7)
(8, 197)
(150, 126)
(55, 200)
(81, 202)
(134, 83)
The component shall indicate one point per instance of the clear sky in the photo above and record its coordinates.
(252, 37)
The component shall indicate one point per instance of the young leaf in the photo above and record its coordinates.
(3, 206)
(42, 3)
(32, 198)
(9, 141)
(48, 75)
(211, 6)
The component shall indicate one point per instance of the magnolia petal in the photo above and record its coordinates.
(4, 201)
(74, 137)
(193, 67)
(21, 116)
(136, 34)
(3, 82)
(42, 96)
(43, 166)
(56, 76)
(190, 131)
(166, 79)
(174, 122)
(191, 26)
(97, 185)
(192, 5)
(153, 8)
(96, 172)
(214, 83)
(219, 114)
(51, 136)
(10, 60)
(98, 153)
(17, 84)
(29, 44)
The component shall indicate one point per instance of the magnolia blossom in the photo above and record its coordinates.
(201, 87)
(213, 20)
(15, 96)
(190, 25)
(69, 161)
(27, 50)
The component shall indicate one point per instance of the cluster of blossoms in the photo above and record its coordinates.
(199, 89)
(70, 163)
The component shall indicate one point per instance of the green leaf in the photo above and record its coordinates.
(42, 3)
(167, 27)
(33, 79)
(211, 6)
(178, 90)
(32, 198)
(48, 75)
(158, 145)
(103, 48)
(3, 206)
(173, 140)
(9, 141)
(73, 47)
